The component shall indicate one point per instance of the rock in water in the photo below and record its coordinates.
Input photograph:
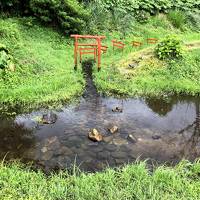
(44, 150)
(49, 118)
(132, 138)
(156, 137)
(117, 109)
(95, 136)
(114, 129)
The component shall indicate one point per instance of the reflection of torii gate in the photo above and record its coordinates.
(93, 48)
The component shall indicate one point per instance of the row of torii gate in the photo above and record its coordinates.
(96, 49)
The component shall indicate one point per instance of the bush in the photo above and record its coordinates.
(169, 48)
(7, 4)
(67, 14)
(9, 31)
(16, 6)
(5, 59)
(194, 20)
(177, 18)
(141, 9)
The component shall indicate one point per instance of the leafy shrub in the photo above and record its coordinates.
(177, 18)
(143, 8)
(9, 31)
(169, 48)
(68, 14)
(14, 6)
(100, 19)
(6, 4)
(193, 20)
(6, 60)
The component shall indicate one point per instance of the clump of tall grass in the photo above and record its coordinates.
(177, 18)
(194, 20)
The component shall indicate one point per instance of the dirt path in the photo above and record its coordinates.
(136, 59)
(193, 45)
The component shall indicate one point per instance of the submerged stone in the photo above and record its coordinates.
(95, 136)
(49, 118)
(117, 109)
(156, 137)
(132, 138)
(44, 150)
(113, 129)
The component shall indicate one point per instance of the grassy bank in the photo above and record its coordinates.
(151, 77)
(130, 182)
(44, 74)
(43, 60)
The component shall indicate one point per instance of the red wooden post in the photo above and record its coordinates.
(75, 52)
(99, 52)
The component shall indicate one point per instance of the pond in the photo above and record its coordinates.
(162, 130)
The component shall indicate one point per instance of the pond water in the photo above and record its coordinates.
(164, 130)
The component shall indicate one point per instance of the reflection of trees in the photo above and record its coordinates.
(160, 106)
(14, 139)
(190, 145)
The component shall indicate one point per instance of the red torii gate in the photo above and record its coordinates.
(97, 47)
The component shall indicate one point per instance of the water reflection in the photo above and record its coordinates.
(15, 139)
(191, 142)
(161, 106)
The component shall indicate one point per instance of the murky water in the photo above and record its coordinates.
(165, 130)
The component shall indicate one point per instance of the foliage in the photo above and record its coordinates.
(169, 48)
(6, 60)
(68, 14)
(103, 20)
(193, 20)
(141, 8)
(6, 4)
(14, 6)
(177, 18)
(134, 181)
(9, 31)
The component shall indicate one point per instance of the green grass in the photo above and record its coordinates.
(130, 182)
(152, 78)
(44, 66)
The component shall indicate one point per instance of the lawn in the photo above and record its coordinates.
(130, 182)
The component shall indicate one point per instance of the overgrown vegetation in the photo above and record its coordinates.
(68, 14)
(102, 15)
(43, 61)
(129, 182)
